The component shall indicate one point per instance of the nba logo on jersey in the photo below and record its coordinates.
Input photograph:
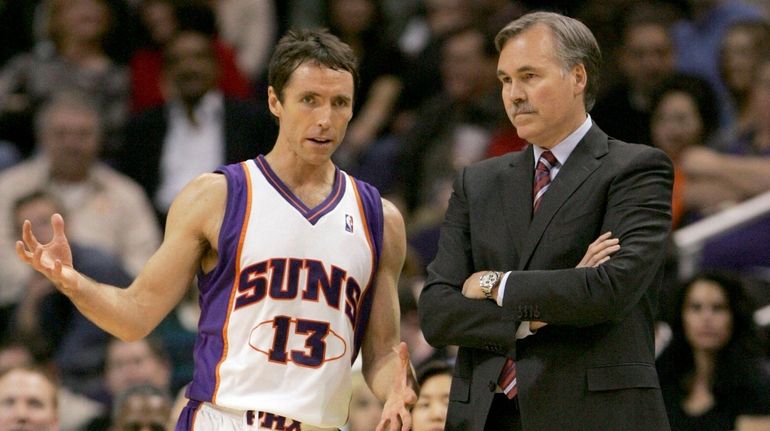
(349, 223)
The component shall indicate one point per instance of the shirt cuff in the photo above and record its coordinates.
(523, 331)
(501, 289)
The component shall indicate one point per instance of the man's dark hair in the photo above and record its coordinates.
(318, 47)
(433, 368)
(702, 95)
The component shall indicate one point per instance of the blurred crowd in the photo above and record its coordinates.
(109, 107)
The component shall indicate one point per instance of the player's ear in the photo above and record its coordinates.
(273, 102)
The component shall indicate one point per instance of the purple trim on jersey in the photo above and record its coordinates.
(372, 203)
(314, 214)
(216, 287)
(187, 416)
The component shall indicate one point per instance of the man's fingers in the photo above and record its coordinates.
(406, 420)
(22, 252)
(37, 256)
(58, 225)
(602, 237)
(28, 236)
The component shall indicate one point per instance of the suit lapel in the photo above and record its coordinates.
(585, 159)
(516, 180)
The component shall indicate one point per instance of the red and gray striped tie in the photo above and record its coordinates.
(507, 380)
(542, 178)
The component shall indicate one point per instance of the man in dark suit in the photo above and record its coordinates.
(197, 130)
(544, 345)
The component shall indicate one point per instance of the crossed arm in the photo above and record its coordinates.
(638, 213)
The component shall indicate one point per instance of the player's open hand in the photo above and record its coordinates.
(53, 260)
(395, 413)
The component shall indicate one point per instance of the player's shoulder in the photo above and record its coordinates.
(203, 191)
(391, 213)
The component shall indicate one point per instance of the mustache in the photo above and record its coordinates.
(522, 108)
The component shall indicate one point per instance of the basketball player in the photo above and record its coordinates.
(297, 264)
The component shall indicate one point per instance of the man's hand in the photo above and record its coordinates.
(472, 286)
(53, 260)
(395, 413)
(599, 251)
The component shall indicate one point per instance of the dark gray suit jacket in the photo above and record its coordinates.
(592, 368)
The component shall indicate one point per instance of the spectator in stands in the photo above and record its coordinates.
(741, 169)
(422, 43)
(712, 372)
(73, 60)
(365, 408)
(161, 20)
(47, 319)
(429, 413)
(129, 364)
(141, 408)
(250, 27)
(684, 115)
(197, 130)
(361, 24)
(697, 41)
(646, 59)
(743, 47)
(738, 171)
(106, 210)
(453, 128)
(28, 400)
(14, 352)
(133, 363)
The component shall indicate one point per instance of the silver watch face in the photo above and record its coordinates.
(488, 280)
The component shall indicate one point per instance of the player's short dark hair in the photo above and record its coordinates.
(309, 46)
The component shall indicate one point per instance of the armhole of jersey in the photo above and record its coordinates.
(371, 205)
(237, 190)
(216, 303)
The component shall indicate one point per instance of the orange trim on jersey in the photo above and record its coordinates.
(369, 240)
(236, 282)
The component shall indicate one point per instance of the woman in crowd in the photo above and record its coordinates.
(713, 372)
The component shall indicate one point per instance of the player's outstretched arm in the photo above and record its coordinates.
(133, 312)
(386, 364)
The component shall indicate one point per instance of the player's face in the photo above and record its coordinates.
(314, 112)
(543, 100)
(27, 402)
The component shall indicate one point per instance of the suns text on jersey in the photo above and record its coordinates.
(279, 278)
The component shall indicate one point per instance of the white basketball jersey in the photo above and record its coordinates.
(286, 306)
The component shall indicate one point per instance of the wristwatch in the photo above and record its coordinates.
(488, 281)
